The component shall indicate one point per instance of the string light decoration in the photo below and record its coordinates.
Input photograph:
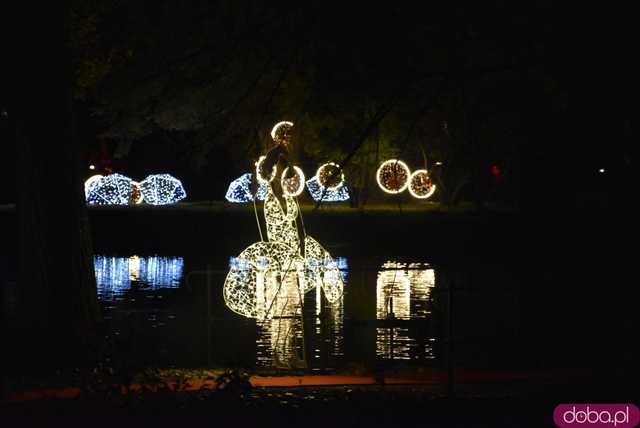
(239, 190)
(420, 184)
(330, 176)
(319, 193)
(259, 176)
(393, 176)
(136, 194)
(254, 285)
(114, 189)
(162, 189)
(280, 132)
(293, 185)
(89, 183)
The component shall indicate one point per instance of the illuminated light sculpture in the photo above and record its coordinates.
(259, 176)
(265, 271)
(136, 194)
(293, 185)
(277, 136)
(420, 184)
(393, 176)
(114, 189)
(330, 176)
(89, 183)
(320, 193)
(239, 190)
(162, 189)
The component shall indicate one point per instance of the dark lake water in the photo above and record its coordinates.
(393, 313)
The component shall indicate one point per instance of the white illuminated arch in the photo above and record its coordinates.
(390, 168)
(259, 176)
(417, 188)
(285, 186)
(320, 171)
(277, 126)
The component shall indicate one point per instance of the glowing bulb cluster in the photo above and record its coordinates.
(294, 185)
(330, 176)
(280, 132)
(420, 185)
(394, 176)
(116, 189)
(259, 176)
(239, 190)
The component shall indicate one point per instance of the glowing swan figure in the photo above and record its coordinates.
(259, 280)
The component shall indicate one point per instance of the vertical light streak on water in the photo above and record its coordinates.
(402, 294)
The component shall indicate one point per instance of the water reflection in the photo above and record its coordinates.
(403, 293)
(116, 275)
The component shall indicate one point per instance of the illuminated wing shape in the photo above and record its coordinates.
(114, 189)
(240, 190)
(317, 192)
(162, 189)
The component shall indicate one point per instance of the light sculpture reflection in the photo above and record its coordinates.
(402, 293)
(114, 189)
(115, 275)
(393, 176)
(420, 185)
(162, 189)
(239, 190)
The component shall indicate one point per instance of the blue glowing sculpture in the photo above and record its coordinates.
(114, 189)
(162, 189)
(318, 192)
(240, 190)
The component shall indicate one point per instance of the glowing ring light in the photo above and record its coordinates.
(277, 126)
(285, 186)
(388, 174)
(259, 176)
(419, 184)
(89, 183)
(136, 193)
(320, 174)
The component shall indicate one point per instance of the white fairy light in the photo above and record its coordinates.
(393, 176)
(114, 189)
(92, 167)
(319, 193)
(324, 172)
(90, 182)
(420, 185)
(277, 126)
(239, 190)
(259, 176)
(162, 189)
(292, 186)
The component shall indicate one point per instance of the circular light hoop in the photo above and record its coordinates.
(259, 175)
(277, 126)
(390, 167)
(137, 193)
(283, 183)
(418, 175)
(90, 181)
(319, 174)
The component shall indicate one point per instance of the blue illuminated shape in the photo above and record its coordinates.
(317, 192)
(114, 275)
(162, 189)
(114, 189)
(240, 190)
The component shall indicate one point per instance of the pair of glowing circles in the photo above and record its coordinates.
(292, 186)
(393, 176)
(420, 185)
(259, 176)
(329, 171)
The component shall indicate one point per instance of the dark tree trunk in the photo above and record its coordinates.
(58, 305)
